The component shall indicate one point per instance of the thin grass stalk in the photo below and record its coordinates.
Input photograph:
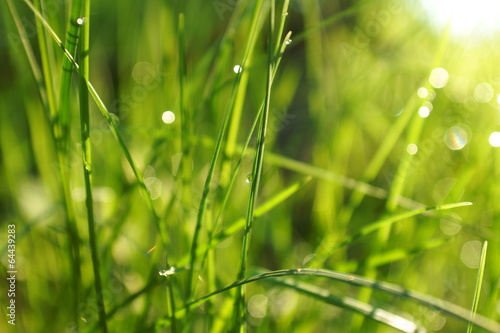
(234, 126)
(243, 152)
(63, 115)
(87, 162)
(240, 313)
(479, 283)
(46, 60)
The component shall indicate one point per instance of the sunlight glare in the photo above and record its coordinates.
(479, 17)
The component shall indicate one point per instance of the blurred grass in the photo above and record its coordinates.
(343, 110)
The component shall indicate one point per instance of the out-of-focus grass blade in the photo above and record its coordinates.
(479, 283)
(327, 249)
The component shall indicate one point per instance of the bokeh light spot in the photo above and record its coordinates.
(456, 138)
(471, 254)
(168, 117)
(422, 92)
(495, 139)
(412, 149)
(483, 92)
(439, 77)
(257, 306)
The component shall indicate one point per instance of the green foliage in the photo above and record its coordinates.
(318, 176)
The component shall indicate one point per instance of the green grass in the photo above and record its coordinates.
(283, 198)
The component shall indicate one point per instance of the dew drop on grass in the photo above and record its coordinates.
(249, 178)
(170, 271)
(237, 69)
(288, 41)
(80, 20)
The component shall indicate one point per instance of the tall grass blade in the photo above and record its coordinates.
(479, 283)
(327, 249)
(87, 163)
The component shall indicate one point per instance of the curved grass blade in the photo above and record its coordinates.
(351, 304)
(431, 302)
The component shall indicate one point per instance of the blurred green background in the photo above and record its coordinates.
(359, 78)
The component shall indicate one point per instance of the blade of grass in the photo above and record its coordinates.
(351, 304)
(327, 249)
(87, 162)
(479, 283)
(431, 302)
(240, 313)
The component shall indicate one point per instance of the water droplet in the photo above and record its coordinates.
(412, 149)
(80, 20)
(483, 92)
(288, 41)
(168, 117)
(422, 92)
(439, 77)
(456, 138)
(285, 14)
(237, 69)
(495, 139)
(170, 271)
(88, 167)
(249, 178)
